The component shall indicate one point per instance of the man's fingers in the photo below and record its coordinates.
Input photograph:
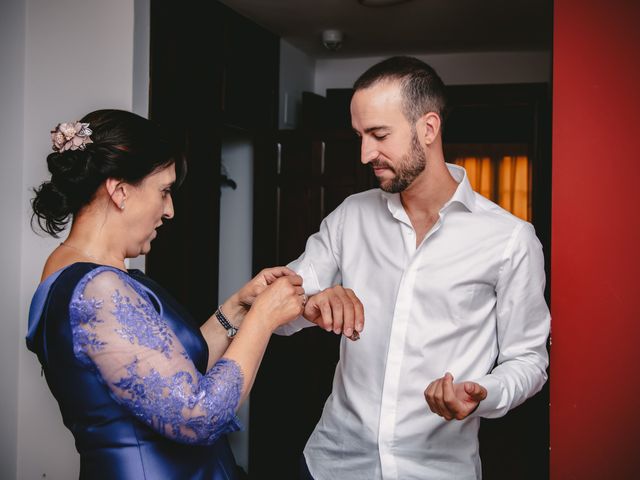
(447, 390)
(326, 314)
(476, 391)
(451, 402)
(441, 397)
(337, 311)
(438, 396)
(429, 396)
(348, 315)
(358, 310)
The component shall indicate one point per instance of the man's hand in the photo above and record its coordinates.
(451, 400)
(336, 309)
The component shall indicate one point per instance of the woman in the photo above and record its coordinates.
(146, 394)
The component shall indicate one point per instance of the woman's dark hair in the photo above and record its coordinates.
(125, 146)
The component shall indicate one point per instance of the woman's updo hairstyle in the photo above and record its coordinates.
(125, 146)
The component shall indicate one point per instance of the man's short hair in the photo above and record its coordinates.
(422, 88)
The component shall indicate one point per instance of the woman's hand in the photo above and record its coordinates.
(281, 302)
(237, 306)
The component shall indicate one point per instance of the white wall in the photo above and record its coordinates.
(12, 49)
(236, 235)
(141, 72)
(78, 56)
(453, 68)
(296, 75)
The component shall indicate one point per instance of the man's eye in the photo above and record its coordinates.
(380, 137)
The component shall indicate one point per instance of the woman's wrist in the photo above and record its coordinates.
(234, 310)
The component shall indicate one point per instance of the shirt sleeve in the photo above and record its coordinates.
(319, 264)
(523, 323)
(118, 332)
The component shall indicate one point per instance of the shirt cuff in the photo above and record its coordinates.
(492, 406)
(293, 326)
(311, 287)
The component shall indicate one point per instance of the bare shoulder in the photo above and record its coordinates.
(59, 258)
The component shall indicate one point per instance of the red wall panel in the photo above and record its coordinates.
(595, 267)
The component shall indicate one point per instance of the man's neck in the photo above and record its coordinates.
(429, 191)
(426, 196)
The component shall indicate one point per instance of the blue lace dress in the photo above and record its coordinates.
(128, 368)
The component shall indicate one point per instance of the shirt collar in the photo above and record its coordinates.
(464, 195)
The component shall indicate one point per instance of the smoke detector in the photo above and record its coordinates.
(332, 40)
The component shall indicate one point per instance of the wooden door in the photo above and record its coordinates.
(300, 178)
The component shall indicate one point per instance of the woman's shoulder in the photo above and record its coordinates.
(69, 274)
(51, 298)
(69, 281)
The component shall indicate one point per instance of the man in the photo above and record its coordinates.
(452, 286)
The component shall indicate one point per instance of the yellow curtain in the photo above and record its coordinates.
(480, 174)
(515, 184)
(509, 175)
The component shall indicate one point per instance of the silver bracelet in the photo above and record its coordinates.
(231, 330)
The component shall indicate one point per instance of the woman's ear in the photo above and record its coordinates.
(428, 128)
(117, 191)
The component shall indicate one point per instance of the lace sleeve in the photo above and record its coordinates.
(117, 331)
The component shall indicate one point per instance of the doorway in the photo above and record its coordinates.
(304, 174)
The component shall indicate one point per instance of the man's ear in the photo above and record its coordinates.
(428, 128)
(117, 191)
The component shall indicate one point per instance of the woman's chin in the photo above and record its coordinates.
(146, 248)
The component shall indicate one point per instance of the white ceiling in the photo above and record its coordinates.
(418, 26)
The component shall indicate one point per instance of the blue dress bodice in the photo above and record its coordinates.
(119, 438)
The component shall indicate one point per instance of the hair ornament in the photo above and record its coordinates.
(71, 136)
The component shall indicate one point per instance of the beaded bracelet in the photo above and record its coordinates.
(231, 330)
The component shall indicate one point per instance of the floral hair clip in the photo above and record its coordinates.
(71, 136)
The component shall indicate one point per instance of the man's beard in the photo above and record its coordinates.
(412, 164)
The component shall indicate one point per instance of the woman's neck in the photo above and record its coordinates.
(96, 242)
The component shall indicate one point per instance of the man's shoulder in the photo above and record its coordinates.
(495, 213)
(366, 199)
(366, 196)
(502, 222)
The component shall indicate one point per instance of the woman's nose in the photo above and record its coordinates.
(168, 208)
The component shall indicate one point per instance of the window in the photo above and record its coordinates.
(499, 172)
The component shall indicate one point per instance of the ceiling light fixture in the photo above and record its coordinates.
(380, 3)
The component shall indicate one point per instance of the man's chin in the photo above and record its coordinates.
(390, 186)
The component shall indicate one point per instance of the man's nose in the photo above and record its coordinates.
(368, 151)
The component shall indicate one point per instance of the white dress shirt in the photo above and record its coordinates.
(468, 300)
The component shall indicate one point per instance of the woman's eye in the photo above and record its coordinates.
(166, 192)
